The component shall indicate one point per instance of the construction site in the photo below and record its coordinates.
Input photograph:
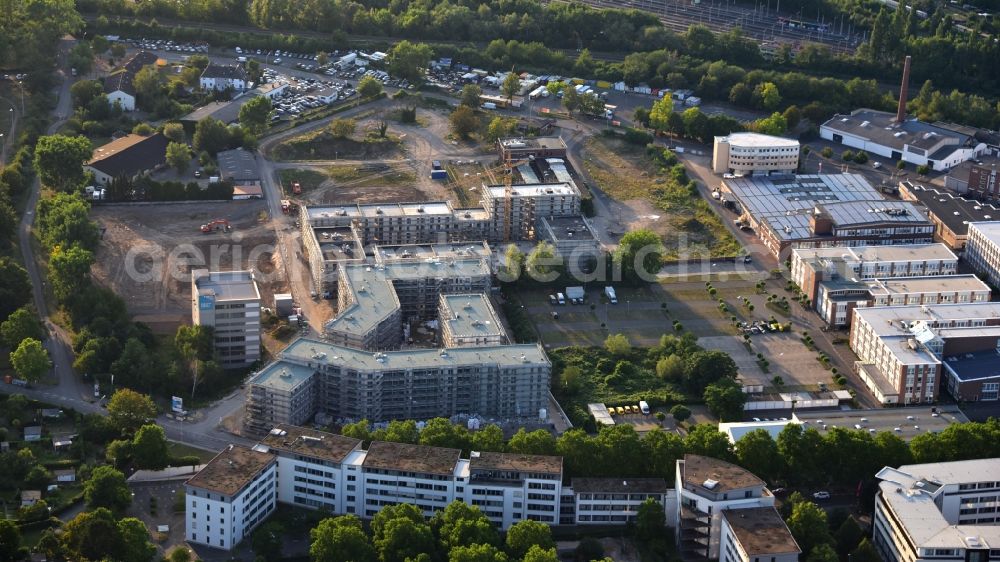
(147, 252)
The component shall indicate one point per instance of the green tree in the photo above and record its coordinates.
(93, 535)
(107, 488)
(10, 541)
(21, 325)
(149, 448)
(670, 368)
(680, 412)
(527, 534)
(461, 525)
(135, 541)
(463, 121)
(178, 156)
(538, 442)
(542, 264)
(369, 87)
(340, 539)
(500, 127)
(408, 60)
(802, 451)
(402, 538)
(38, 477)
(357, 430)
(489, 438)
(823, 553)
(15, 289)
(776, 124)
(766, 96)
(130, 410)
(148, 84)
(196, 345)
(640, 253)
(64, 220)
(477, 553)
(584, 64)
(808, 525)
(848, 536)
(440, 432)
(706, 439)
(211, 136)
(866, 552)
(539, 554)
(725, 399)
(513, 263)
(589, 549)
(650, 520)
(511, 85)
(702, 368)
(659, 115)
(255, 115)
(118, 451)
(85, 91)
(175, 132)
(757, 452)
(470, 95)
(399, 431)
(254, 70)
(571, 99)
(59, 161)
(69, 271)
(618, 344)
(342, 128)
(30, 360)
(266, 541)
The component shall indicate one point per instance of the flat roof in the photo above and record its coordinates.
(526, 143)
(238, 164)
(736, 430)
(305, 350)
(374, 300)
(757, 140)
(699, 470)
(928, 284)
(470, 315)
(989, 230)
(895, 253)
(486, 460)
(226, 285)
(569, 228)
(405, 457)
(533, 189)
(761, 531)
(881, 128)
(282, 375)
(310, 442)
(619, 485)
(885, 419)
(434, 252)
(231, 470)
(225, 111)
(980, 366)
(857, 213)
(332, 239)
(954, 212)
(886, 320)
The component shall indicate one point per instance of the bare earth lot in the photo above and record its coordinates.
(148, 251)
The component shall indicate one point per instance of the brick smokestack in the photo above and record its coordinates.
(903, 90)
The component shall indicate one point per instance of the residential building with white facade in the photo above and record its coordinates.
(219, 77)
(469, 320)
(229, 497)
(706, 488)
(752, 154)
(982, 250)
(904, 352)
(229, 302)
(616, 501)
(756, 534)
(944, 512)
(810, 266)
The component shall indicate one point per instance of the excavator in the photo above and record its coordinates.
(217, 224)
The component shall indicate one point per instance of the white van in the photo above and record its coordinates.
(561, 298)
(644, 407)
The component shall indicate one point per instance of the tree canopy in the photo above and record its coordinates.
(59, 161)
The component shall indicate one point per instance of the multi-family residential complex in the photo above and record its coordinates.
(468, 320)
(950, 215)
(312, 377)
(229, 497)
(710, 491)
(817, 211)
(756, 534)
(938, 512)
(229, 302)
(812, 266)
(219, 77)
(751, 154)
(983, 250)
(612, 501)
(836, 298)
(905, 351)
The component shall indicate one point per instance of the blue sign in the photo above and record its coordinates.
(206, 302)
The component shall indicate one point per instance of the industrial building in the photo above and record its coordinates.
(938, 511)
(313, 377)
(752, 154)
(905, 351)
(811, 266)
(983, 250)
(815, 211)
(950, 215)
(711, 496)
(129, 157)
(976, 179)
(229, 302)
(837, 298)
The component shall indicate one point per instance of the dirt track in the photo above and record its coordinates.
(148, 251)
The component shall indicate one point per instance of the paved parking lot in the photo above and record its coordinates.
(163, 514)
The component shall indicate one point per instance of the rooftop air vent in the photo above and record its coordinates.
(710, 484)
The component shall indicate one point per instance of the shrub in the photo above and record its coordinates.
(861, 157)
(923, 170)
(827, 152)
(847, 156)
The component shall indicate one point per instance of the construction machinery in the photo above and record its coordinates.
(296, 188)
(217, 224)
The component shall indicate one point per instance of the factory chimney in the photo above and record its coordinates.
(903, 90)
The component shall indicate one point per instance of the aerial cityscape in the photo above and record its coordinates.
(587, 281)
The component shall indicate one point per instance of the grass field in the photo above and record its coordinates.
(182, 450)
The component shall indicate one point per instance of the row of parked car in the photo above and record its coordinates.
(167, 45)
(301, 94)
(277, 54)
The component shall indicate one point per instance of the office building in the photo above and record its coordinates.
(756, 534)
(229, 497)
(468, 320)
(706, 489)
(938, 511)
(950, 215)
(811, 266)
(982, 250)
(836, 298)
(976, 179)
(229, 302)
(816, 211)
(616, 501)
(904, 351)
(939, 146)
(312, 377)
(752, 154)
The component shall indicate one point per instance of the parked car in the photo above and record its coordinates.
(821, 495)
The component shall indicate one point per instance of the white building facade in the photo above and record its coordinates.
(982, 250)
(747, 154)
(229, 302)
